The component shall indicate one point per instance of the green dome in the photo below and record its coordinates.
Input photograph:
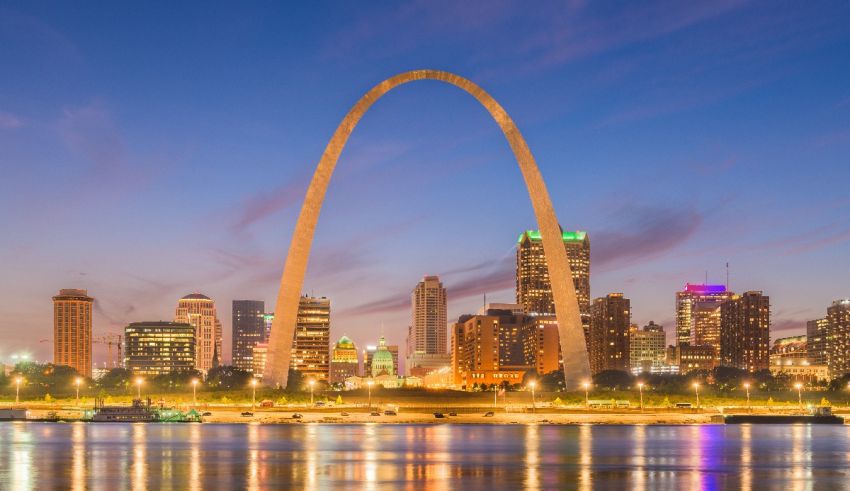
(345, 342)
(382, 360)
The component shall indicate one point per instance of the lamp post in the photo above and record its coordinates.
(18, 389)
(77, 382)
(311, 384)
(369, 386)
(253, 393)
(696, 389)
(139, 388)
(533, 384)
(747, 386)
(799, 388)
(586, 395)
(194, 392)
(640, 389)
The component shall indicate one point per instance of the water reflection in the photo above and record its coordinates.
(138, 456)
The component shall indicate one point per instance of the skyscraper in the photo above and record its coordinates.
(816, 333)
(344, 361)
(698, 315)
(199, 311)
(485, 348)
(647, 348)
(610, 319)
(156, 348)
(248, 329)
(427, 333)
(745, 331)
(838, 338)
(72, 330)
(311, 344)
(533, 287)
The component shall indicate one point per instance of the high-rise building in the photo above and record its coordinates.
(816, 332)
(838, 338)
(427, 333)
(258, 355)
(745, 331)
(311, 345)
(533, 287)
(540, 342)
(647, 348)
(610, 319)
(691, 358)
(199, 311)
(248, 329)
(482, 351)
(72, 318)
(344, 361)
(268, 318)
(698, 315)
(156, 348)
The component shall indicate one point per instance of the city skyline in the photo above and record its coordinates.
(128, 174)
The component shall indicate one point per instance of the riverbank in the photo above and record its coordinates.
(359, 415)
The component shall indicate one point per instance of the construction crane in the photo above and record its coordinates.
(110, 340)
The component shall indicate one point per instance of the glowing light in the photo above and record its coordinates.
(705, 288)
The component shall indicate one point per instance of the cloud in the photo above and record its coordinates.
(89, 131)
(9, 121)
(643, 233)
(787, 327)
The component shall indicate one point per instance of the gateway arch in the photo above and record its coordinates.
(573, 348)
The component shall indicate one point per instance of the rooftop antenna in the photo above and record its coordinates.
(727, 275)
(485, 300)
(706, 276)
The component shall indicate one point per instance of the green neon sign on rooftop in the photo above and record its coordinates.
(576, 236)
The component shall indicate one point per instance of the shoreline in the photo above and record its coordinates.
(414, 416)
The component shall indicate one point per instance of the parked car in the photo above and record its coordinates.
(297, 416)
(267, 403)
(344, 414)
(207, 413)
(247, 414)
(390, 412)
(453, 413)
(489, 414)
(684, 405)
(439, 415)
(374, 413)
(320, 403)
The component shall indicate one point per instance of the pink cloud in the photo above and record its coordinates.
(9, 121)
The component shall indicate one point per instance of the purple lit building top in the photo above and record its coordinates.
(705, 289)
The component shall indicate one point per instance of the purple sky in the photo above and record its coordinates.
(151, 151)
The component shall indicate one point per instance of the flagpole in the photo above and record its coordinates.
(495, 395)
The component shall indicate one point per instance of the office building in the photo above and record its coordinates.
(311, 345)
(838, 338)
(157, 348)
(816, 333)
(344, 361)
(533, 287)
(647, 348)
(540, 342)
(745, 331)
(610, 319)
(427, 333)
(698, 315)
(72, 324)
(691, 358)
(480, 354)
(259, 353)
(199, 311)
(248, 329)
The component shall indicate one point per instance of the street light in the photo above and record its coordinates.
(194, 392)
(77, 382)
(747, 386)
(586, 394)
(696, 388)
(369, 385)
(253, 393)
(139, 388)
(533, 384)
(799, 388)
(311, 384)
(18, 389)
(640, 388)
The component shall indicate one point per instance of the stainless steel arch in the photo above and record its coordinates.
(576, 367)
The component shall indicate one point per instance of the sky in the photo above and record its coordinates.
(154, 150)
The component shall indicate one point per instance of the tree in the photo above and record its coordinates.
(227, 377)
(552, 381)
(182, 379)
(613, 379)
(294, 381)
(840, 383)
(117, 378)
(528, 376)
(728, 378)
(47, 376)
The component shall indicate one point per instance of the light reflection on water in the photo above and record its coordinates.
(210, 456)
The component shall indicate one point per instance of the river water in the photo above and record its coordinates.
(442, 456)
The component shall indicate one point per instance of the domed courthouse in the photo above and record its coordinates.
(344, 361)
